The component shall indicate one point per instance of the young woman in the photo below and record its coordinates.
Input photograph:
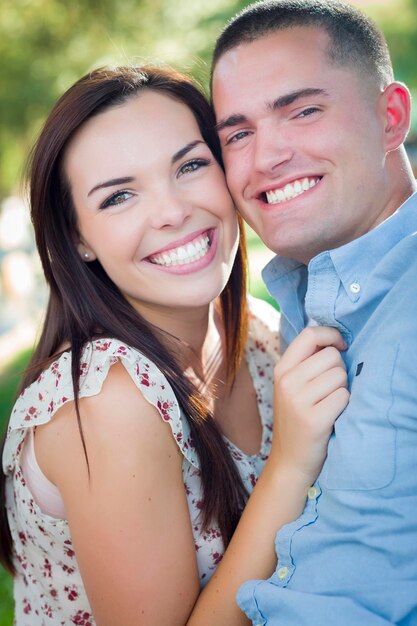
(145, 418)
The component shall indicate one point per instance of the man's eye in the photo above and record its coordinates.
(309, 111)
(116, 199)
(192, 166)
(237, 137)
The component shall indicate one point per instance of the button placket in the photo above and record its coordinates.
(312, 493)
(283, 573)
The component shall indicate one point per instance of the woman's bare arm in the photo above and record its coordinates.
(129, 521)
(310, 392)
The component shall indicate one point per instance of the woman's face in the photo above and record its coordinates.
(152, 204)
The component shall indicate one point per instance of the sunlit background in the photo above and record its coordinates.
(45, 45)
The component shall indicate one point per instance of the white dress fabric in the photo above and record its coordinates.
(48, 588)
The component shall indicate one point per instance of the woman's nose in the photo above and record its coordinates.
(169, 210)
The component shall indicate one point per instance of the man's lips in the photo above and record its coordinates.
(291, 189)
(186, 250)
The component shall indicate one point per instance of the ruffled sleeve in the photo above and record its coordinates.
(40, 401)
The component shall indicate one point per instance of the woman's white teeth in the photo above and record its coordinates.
(189, 253)
(291, 190)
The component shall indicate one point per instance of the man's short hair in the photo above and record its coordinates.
(354, 38)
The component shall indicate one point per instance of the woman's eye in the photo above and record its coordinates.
(116, 199)
(192, 166)
(237, 137)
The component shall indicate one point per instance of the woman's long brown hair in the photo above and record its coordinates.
(85, 304)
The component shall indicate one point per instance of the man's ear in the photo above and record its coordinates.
(396, 103)
(85, 252)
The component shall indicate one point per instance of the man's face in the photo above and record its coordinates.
(302, 142)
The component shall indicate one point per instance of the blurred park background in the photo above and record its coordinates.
(45, 45)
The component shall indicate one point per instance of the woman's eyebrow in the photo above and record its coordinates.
(185, 150)
(111, 183)
(129, 179)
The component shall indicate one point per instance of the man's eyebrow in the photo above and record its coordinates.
(111, 183)
(281, 102)
(293, 96)
(185, 150)
(232, 120)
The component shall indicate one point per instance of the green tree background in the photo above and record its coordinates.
(47, 44)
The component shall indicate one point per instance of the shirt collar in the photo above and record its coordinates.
(354, 260)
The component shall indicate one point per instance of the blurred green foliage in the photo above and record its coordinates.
(47, 44)
(9, 380)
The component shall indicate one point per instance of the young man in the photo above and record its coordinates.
(312, 126)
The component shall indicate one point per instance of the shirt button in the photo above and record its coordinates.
(355, 288)
(312, 493)
(283, 572)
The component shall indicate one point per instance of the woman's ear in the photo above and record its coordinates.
(85, 252)
(396, 103)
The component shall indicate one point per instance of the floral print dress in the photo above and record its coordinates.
(48, 588)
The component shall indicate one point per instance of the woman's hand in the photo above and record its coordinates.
(310, 392)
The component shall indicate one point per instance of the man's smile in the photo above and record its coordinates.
(290, 190)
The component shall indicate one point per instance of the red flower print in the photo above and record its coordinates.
(144, 380)
(26, 606)
(47, 610)
(47, 569)
(31, 413)
(22, 537)
(71, 592)
(82, 618)
(69, 551)
(102, 347)
(164, 407)
(65, 568)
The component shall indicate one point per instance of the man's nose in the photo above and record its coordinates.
(271, 149)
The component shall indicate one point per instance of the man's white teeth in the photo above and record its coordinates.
(291, 190)
(188, 253)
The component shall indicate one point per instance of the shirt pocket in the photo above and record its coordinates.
(362, 450)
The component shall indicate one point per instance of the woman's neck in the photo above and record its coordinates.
(194, 334)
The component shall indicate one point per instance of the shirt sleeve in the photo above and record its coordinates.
(265, 603)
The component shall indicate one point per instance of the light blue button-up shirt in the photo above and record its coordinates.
(351, 558)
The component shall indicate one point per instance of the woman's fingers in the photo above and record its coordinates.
(331, 405)
(311, 367)
(325, 384)
(310, 341)
(310, 392)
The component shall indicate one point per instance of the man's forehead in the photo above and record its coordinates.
(241, 58)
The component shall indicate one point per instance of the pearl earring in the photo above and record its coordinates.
(86, 256)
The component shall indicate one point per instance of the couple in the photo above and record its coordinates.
(145, 420)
